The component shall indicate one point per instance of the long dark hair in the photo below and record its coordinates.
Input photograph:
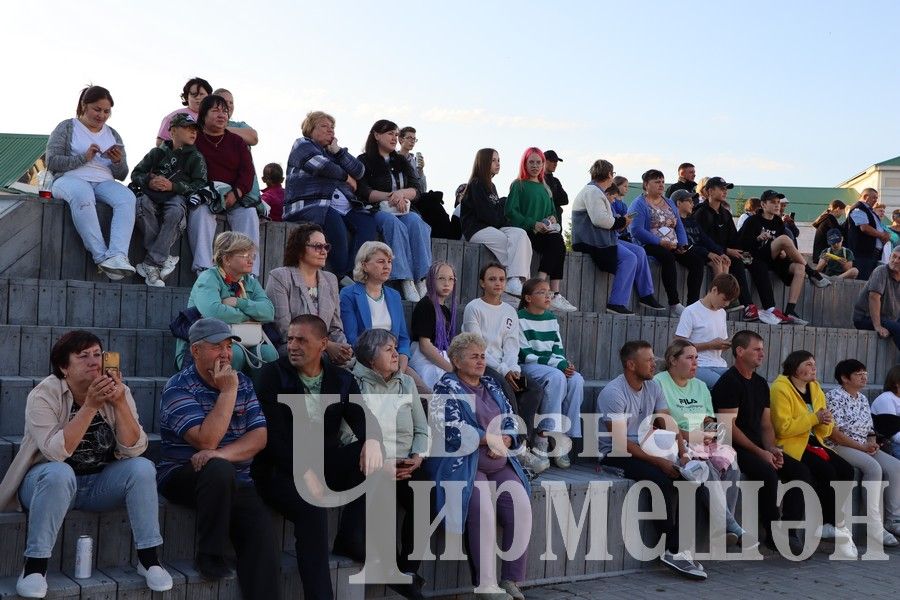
(481, 169)
(91, 94)
(380, 126)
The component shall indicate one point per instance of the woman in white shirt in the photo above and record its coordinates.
(86, 157)
(886, 411)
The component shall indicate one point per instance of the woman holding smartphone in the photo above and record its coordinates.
(86, 156)
(658, 228)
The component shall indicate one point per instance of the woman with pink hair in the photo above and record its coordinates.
(530, 206)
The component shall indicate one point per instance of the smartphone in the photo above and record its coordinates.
(120, 147)
(632, 215)
(110, 361)
(793, 215)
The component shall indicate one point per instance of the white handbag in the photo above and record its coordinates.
(252, 338)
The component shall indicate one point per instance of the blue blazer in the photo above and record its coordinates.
(357, 318)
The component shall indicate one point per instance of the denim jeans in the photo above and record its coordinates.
(162, 224)
(893, 326)
(82, 196)
(562, 396)
(710, 375)
(202, 232)
(51, 489)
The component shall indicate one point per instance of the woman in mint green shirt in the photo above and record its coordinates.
(691, 406)
(227, 292)
(530, 207)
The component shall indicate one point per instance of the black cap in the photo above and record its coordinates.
(551, 155)
(682, 195)
(770, 195)
(719, 183)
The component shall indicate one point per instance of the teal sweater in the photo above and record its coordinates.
(210, 289)
(540, 341)
(528, 202)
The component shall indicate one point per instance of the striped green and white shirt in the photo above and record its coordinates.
(540, 341)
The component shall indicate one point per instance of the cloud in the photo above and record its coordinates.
(481, 116)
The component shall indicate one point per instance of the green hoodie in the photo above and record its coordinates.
(185, 168)
(398, 395)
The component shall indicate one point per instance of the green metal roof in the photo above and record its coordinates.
(18, 151)
(807, 202)
(892, 162)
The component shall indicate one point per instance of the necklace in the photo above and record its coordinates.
(215, 144)
(374, 299)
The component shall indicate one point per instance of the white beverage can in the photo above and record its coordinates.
(84, 556)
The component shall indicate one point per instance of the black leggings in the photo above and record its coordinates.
(552, 249)
(667, 259)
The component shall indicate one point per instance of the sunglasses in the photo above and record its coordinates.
(320, 247)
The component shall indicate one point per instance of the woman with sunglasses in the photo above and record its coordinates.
(302, 286)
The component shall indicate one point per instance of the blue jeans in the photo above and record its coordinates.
(82, 196)
(891, 325)
(340, 232)
(710, 375)
(51, 489)
(407, 235)
(562, 396)
(632, 270)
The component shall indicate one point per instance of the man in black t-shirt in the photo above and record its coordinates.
(745, 394)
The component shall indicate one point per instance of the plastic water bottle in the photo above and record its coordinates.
(46, 184)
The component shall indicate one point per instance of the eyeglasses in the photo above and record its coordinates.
(246, 256)
(861, 374)
(411, 139)
(541, 293)
(320, 247)
(447, 279)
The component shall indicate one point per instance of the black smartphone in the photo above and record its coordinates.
(793, 215)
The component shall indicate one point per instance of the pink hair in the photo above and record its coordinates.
(523, 171)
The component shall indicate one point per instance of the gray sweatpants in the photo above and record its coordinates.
(161, 223)
(202, 232)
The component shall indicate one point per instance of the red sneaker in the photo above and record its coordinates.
(751, 313)
(785, 320)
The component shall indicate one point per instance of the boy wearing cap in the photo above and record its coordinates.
(763, 236)
(837, 261)
(700, 244)
(163, 181)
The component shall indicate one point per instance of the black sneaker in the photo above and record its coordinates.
(684, 564)
(650, 302)
(212, 566)
(618, 309)
(797, 320)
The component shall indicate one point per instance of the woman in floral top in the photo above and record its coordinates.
(850, 440)
(657, 227)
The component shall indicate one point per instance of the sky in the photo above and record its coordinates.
(762, 93)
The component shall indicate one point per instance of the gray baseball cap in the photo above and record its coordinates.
(210, 330)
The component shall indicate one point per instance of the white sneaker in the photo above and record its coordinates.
(151, 274)
(768, 317)
(560, 303)
(168, 266)
(33, 586)
(409, 291)
(422, 289)
(534, 463)
(675, 310)
(514, 286)
(118, 264)
(843, 544)
(158, 579)
(827, 531)
(888, 540)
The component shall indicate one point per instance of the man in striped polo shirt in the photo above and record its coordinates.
(211, 427)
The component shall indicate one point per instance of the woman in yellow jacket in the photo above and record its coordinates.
(802, 422)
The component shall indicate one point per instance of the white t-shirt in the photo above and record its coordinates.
(98, 169)
(887, 403)
(699, 325)
(499, 326)
(381, 318)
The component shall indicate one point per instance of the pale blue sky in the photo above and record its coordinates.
(768, 93)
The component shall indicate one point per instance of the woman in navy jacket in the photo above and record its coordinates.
(658, 228)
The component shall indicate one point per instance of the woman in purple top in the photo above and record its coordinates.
(657, 227)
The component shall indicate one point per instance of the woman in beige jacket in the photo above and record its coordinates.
(81, 449)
